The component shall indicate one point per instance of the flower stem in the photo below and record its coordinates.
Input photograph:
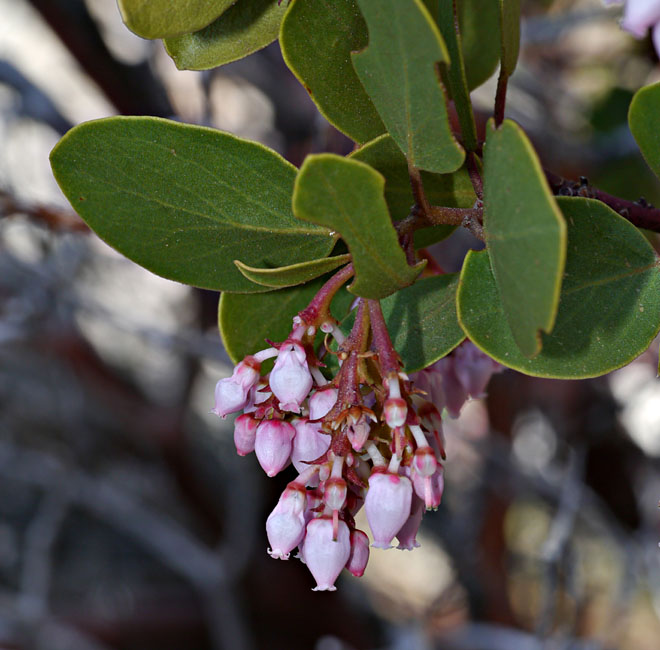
(318, 310)
(389, 359)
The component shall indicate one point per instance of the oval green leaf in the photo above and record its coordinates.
(644, 120)
(247, 320)
(317, 38)
(185, 201)
(161, 18)
(399, 71)
(609, 310)
(525, 235)
(289, 276)
(244, 28)
(422, 321)
(347, 196)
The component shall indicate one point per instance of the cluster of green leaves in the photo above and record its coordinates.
(564, 288)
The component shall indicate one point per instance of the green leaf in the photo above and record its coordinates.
(246, 27)
(510, 30)
(247, 320)
(422, 321)
(644, 120)
(185, 201)
(450, 190)
(289, 276)
(399, 72)
(161, 18)
(609, 310)
(347, 197)
(525, 234)
(479, 23)
(317, 39)
(455, 74)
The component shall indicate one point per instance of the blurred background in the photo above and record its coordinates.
(128, 522)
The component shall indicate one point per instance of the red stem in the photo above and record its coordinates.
(318, 309)
(639, 213)
(389, 359)
(500, 97)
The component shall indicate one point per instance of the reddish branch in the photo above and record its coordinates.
(639, 213)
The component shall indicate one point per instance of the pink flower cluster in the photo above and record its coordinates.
(639, 16)
(367, 437)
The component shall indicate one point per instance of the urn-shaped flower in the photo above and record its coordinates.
(387, 506)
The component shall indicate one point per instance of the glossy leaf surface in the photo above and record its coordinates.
(525, 234)
(161, 18)
(422, 320)
(289, 276)
(644, 119)
(609, 310)
(246, 27)
(317, 39)
(247, 320)
(185, 201)
(399, 72)
(346, 196)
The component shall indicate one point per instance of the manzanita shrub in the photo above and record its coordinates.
(322, 268)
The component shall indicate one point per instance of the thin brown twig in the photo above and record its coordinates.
(475, 175)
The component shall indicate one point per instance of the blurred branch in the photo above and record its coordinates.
(555, 550)
(133, 89)
(53, 218)
(42, 632)
(482, 636)
(639, 213)
(37, 561)
(159, 534)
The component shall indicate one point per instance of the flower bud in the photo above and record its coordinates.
(424, 461)
(285, 525)
(325, 557)
(474, 368)
(640, 15)
(455, 392)
(395, 410)
(358, 433)
(290, 379)
(233, 393)
(309, 443)
(245, 434)
(273, 445)
(430, 488)
(357, 561)
(387, 506)
(334, 493)
(321, 402)
(407, 536)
